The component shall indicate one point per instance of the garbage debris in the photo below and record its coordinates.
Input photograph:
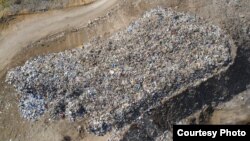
(113, 81)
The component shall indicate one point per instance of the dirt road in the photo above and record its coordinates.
(37, 26)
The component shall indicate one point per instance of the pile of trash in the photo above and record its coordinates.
(113, 81)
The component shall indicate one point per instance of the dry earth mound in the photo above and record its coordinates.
(113, 81)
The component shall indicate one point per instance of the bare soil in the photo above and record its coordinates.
(23, 33)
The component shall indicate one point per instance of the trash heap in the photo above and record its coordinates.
(112, 81)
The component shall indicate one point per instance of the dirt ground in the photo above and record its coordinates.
(21, 34)
(229, 14)
(236, 111)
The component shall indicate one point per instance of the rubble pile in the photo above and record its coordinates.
(113, 81)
